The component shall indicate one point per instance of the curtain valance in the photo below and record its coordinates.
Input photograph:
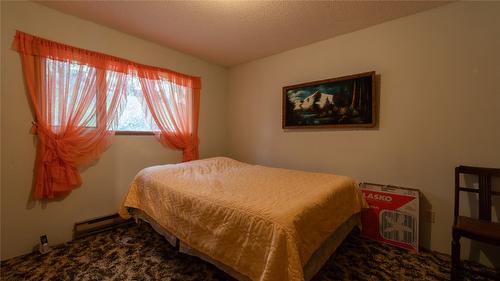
(35, 46)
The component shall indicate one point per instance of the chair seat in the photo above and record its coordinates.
(481, 230)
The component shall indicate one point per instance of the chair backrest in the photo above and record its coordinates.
(485, 193)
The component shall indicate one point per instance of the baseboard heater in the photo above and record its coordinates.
(98, 225)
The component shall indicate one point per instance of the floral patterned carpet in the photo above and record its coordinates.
(138, 253)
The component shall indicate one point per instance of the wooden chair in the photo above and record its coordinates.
(481, 229)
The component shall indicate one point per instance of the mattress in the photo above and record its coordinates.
(264, 223)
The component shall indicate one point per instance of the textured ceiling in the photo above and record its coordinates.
(233, 32)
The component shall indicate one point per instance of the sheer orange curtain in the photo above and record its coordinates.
(76, 96)
(74, 103)
(173, 102)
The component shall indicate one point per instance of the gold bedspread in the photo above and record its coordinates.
(263, 222)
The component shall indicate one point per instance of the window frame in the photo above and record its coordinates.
(100, 112)
(134, 133)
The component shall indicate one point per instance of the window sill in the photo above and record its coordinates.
(134, 133)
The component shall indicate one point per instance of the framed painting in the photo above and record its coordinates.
(343, 102)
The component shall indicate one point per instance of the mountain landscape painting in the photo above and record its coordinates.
(336, 103)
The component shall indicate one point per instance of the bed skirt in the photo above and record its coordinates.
(315, 263)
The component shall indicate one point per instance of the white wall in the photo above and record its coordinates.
(439, 107)
(22, 221)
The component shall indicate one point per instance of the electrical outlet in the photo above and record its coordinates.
(44, 239)
(44, 247)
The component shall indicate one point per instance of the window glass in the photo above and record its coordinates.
(135, 116)
(63, 82)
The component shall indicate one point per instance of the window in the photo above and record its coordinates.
(64, 84)
(135, 117)
(65, 92)
(71, 94)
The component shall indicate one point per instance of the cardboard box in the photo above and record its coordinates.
(393, 215)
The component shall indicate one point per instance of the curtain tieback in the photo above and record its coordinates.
(34, 128)
(56, 149)
(54, 146)
(59, 169)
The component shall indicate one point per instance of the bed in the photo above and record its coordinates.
(254, 222)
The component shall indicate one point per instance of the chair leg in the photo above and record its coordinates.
(455, 258)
